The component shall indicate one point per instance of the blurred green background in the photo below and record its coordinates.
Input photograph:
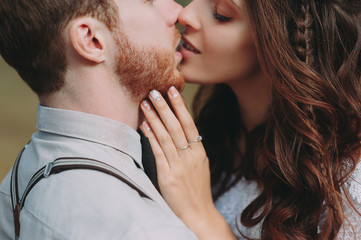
(18, 113)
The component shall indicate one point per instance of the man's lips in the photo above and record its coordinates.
(189, 46)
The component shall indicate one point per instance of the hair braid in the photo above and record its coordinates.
(304, 37)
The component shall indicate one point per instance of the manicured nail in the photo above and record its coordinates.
(146, 104)
(155, 95)
(173, 92)
(146, 125)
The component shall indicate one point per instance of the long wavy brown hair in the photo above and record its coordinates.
(310, 50)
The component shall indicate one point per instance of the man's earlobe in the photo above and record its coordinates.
(86, 39)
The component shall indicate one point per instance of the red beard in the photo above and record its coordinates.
(142, 70)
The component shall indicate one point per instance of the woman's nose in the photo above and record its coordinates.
(188, 16)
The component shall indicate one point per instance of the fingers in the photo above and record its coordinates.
(170, 121)
(183, 116)
(160, 159)
(160, 133)
(173, 132)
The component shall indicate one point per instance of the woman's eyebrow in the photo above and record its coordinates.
(237, 3)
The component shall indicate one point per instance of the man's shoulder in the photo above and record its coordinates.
(5, 185)
(91, 194)
(6, 213)
(90, 200)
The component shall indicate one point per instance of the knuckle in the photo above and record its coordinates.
(176, 128)
(161, 106)
(178, 103)
(157, 153)
(164, 138)
(188, 122)
(206, 162)
(177, 175)
(152, 117)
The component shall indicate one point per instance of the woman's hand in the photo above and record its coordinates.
(182, 165)
(183, 174)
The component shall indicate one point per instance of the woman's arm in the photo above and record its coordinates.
(182, 165)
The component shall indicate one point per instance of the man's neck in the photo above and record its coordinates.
(97, 97)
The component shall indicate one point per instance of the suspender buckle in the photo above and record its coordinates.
(47, 170)
(17, 221)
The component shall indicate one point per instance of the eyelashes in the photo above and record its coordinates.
(220, 18)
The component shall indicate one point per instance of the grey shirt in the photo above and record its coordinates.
(86, 204)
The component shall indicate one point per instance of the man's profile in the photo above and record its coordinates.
(90, 62)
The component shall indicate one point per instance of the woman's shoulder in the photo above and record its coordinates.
(353, 184)
(351, 228)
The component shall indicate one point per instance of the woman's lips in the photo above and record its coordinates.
(189, 46)
(187, 49)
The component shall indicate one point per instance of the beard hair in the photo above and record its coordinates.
(142, 70)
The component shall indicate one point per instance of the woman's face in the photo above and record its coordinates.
(218, 42)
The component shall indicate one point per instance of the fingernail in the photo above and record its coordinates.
(173, 92)
(146, 105)
(155, 95)
(146, 125)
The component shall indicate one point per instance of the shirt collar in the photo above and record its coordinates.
(91, 128)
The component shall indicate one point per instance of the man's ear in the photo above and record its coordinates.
(87, 38)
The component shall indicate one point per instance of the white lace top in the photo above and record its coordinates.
(232, 203)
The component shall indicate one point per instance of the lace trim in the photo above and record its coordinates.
(351, 228)
(354, 184)
(232, 203)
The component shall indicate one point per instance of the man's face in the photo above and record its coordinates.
(147, 57)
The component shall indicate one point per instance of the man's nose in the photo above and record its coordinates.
(171, 12)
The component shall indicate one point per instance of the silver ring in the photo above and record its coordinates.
(182, 149)
(199, 138)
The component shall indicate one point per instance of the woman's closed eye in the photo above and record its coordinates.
(219, 17)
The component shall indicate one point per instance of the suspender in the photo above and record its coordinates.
(58, 166)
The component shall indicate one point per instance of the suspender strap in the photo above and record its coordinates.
(58, 166)
(14, 192)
